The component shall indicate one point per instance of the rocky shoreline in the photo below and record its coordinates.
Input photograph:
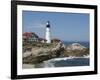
(56, 50)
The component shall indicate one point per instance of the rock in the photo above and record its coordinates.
(76, 50)
(75, 46)
(27, 53)
(41, 54)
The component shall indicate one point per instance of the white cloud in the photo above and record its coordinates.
(36, 25)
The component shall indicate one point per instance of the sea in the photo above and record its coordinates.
(64, 62)
(67, 61)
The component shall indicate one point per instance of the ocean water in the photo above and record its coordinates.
(85, 43)
(72, 62)
(64, 62)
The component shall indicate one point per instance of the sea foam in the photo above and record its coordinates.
(51, 62)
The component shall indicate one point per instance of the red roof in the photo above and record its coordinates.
(27, 34)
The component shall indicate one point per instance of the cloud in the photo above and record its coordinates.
(36, 25)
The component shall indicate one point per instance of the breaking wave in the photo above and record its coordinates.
(64, 62)
(66, 58)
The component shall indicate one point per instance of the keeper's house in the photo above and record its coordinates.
(30, 36)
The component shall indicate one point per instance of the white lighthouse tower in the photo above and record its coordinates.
(48, 36)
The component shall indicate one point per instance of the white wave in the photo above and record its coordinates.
(48, 64)
(51, 62)
(66, 58)
(86, 56)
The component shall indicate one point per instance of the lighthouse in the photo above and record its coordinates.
(48, 36)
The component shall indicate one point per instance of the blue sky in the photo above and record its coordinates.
(65, 26)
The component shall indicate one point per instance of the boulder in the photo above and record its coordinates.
(75, 46)
(76, 50)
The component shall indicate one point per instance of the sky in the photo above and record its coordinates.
(64, 26)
